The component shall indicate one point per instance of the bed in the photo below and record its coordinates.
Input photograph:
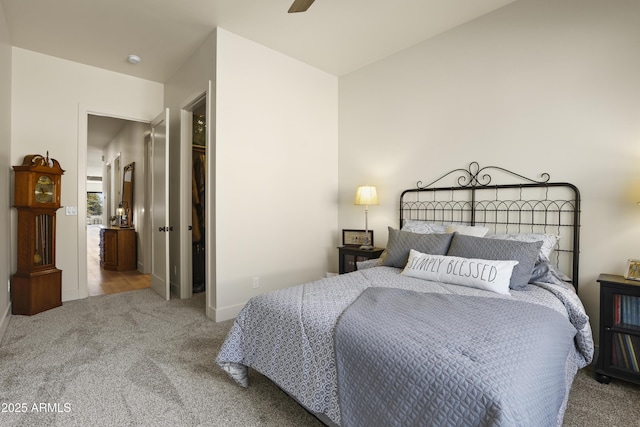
(470, 317)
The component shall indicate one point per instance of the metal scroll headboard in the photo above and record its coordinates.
(527, 206)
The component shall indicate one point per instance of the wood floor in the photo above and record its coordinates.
(101, 281)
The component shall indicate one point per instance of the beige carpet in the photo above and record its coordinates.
(593, 404)
(135, 359)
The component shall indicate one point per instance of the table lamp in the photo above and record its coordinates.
(366, 195)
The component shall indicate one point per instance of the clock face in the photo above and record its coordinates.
(44, 190)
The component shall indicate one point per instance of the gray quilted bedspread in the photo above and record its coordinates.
(400, 364)
(288, 335)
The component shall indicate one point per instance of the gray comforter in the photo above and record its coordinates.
(410, 358)
(288, 335)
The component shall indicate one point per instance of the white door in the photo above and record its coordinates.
(160, 205)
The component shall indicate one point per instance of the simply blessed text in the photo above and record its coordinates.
(457, 267)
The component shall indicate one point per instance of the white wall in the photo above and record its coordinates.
(275, 158)
(272, 164)
(50, 101)
(6, 173)
(538, 86)
(129, 143)
(276, 148)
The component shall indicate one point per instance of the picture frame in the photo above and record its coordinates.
(352, 237)
(633, 270)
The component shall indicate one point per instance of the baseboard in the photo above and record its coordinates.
(225, 313)
(4, 321)
(70, 295)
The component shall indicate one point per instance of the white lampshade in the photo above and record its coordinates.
(366, 195)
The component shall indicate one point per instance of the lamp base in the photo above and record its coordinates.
(366, 247)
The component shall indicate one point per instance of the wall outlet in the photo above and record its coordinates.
(256, 282)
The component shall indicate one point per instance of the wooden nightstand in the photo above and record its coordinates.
(619, 352)
(350, 255)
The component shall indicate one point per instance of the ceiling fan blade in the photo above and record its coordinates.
(300, 5)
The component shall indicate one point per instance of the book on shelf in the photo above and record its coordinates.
(626, 351)
(623, 353)
(626, 309)
(635, 342)
(633, 361)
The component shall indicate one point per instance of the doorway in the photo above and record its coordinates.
(112, 144)
(198, 197)
(195, 244)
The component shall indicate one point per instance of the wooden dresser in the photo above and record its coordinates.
(118, 249)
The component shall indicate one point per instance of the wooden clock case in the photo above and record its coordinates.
(37, 284)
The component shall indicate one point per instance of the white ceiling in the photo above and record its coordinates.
(338, 36)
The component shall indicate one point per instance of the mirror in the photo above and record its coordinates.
(127, 195)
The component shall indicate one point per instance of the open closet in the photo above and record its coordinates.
(198, 182)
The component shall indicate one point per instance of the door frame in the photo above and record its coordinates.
(83, 122)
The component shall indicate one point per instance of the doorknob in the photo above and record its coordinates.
(170, 228)
(162, 229)
(190, 227)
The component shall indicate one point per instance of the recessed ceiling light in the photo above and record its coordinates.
(133, 59)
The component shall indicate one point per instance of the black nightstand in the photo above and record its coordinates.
(350, 255)
(619, 352)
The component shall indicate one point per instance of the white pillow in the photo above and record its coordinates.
(484, 274)
(467, 230)
(423, 227)
(549, 241)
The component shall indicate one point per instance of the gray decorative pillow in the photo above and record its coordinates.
(549, 241)
(401, 242)
(526, 253)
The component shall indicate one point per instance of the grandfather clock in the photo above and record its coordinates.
(37, 284)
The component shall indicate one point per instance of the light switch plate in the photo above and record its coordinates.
(71, 210)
